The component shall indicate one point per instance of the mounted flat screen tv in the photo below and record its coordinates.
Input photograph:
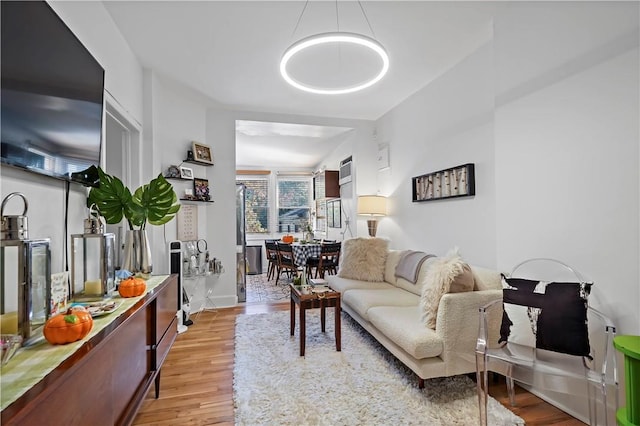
(52, 94)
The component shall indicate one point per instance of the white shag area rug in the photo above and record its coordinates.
(362, 385)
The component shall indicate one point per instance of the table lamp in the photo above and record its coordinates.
(373, 206)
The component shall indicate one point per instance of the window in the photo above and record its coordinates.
(256, 205)
(294, 198)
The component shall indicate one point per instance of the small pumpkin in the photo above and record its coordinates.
(132, 287)
(287, 239)
(68, 327)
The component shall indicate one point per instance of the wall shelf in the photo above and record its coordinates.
(196, 201)
(201, 163)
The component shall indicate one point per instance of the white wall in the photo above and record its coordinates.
(448, 123)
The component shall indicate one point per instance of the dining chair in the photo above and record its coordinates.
(326, 262)
(544, 334)
(285, 261)
(271, 249)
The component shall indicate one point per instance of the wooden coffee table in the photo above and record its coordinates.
(306, 299)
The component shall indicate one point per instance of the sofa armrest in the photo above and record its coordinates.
(458, 320)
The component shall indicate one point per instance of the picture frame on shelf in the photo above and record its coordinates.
(201, 189)
(186, 172)
(202, 153)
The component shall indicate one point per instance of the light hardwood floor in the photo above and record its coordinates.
(196, 386)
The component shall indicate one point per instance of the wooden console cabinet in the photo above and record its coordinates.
(106, 379)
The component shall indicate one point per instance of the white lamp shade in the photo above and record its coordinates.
(372, 205)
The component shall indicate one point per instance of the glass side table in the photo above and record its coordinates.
(629, 415)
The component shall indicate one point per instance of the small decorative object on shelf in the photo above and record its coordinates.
(173, 172)
(202, 153)
(454, 182)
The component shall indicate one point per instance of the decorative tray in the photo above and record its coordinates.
(98, 309)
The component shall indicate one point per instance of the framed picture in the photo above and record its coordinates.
(201, 189)
(333, 213)
(186, 173)
(202, 153)
(454, 182)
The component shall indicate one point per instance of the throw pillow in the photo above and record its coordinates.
(546, 315)
(363, 259)
(448, 274)
(409, 265)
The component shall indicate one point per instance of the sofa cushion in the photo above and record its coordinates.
(343, 284)
(449, 274)
(404, 327)
(393, 257)
(421, 281)
(363, 259)
(361, 300)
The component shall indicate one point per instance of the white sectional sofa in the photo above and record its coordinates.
(390, 311)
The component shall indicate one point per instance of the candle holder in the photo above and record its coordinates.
(93, 262)
(25, 281)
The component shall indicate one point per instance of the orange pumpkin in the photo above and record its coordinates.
(132, 287)
(68, 327)
(287, 239)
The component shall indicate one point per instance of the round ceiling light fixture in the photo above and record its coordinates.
(336, 38)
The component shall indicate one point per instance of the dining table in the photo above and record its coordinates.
(303, 251)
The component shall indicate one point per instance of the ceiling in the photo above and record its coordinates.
(230, 52)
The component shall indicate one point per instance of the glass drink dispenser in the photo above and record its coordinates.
(25, 281)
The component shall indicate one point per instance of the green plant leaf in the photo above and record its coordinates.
(155, 202)
(111, 198)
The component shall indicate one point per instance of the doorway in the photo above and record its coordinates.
(121, 149)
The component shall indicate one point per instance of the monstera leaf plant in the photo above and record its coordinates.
(155, 203)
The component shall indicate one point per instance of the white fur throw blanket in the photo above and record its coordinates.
(363, 259)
